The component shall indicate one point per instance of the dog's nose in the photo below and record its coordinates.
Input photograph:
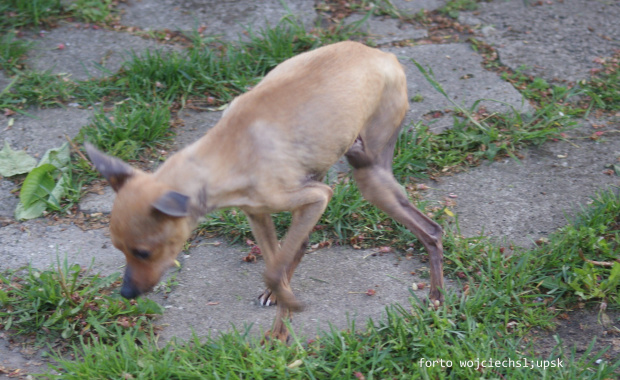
(129, 289)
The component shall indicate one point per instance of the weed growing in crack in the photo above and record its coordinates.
(131, 127)
(452, 8)
(67, 304)
(604, 86)
(12, 52)
(586, 250)
(28, 13)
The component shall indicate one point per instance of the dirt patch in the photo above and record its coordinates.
(18, 360)
(576, 330)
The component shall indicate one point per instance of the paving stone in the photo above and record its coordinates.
(554, 40)
(8, 200)
(227, 18)
(459, 71)
(195, 125)
(409, 7)
(218, 289)
(46, 130)
(525, 200)
(38, 243)
(382, 30)
(86, 52)
(94, 203)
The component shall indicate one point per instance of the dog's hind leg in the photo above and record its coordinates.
(380, 188)
(372, 170)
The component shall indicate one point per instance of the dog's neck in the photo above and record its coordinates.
(212, 171)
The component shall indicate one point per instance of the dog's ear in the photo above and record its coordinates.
(113, 169)
(173, 204)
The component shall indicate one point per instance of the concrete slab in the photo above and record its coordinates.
(8, 200)
(38, 243)
(459, 71)
(195, 125)
(227, 18)
(556, 40)
(217, 289)
(47, 130)
(86, 52)
(94, 203)
(382, 30)
(410, 7)
(523, 201)
(16, 362)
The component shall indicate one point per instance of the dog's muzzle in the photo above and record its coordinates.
(129, 289)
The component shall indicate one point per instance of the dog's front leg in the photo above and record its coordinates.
(265, 234)
(307, 205)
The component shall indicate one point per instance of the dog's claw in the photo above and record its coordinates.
(434, 302)
(267, 298)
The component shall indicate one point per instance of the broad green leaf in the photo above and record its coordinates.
(38, 185)
(67, 332)
(34, 211)
(14, 162)
(59, 191)
(59, 157)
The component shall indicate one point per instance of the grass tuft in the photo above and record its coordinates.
(12, 52)
(67, 304)
(130, 128)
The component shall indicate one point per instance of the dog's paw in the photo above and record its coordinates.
(434, 300)
(267, 298)
(273, 335)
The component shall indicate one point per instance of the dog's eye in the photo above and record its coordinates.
(141, 253)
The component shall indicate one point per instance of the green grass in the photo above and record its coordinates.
(507, 297)
(19, 13)
(452, 8)
(39, 88)
(65, 304)
(12, 51)
(92, 10)
(604, 86)
(130, 128)
(503, 298)
(220, 70)
(391, 348)
(593, 236)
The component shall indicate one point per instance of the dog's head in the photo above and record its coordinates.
(149, 222)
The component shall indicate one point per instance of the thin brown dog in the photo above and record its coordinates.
(269, 153)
